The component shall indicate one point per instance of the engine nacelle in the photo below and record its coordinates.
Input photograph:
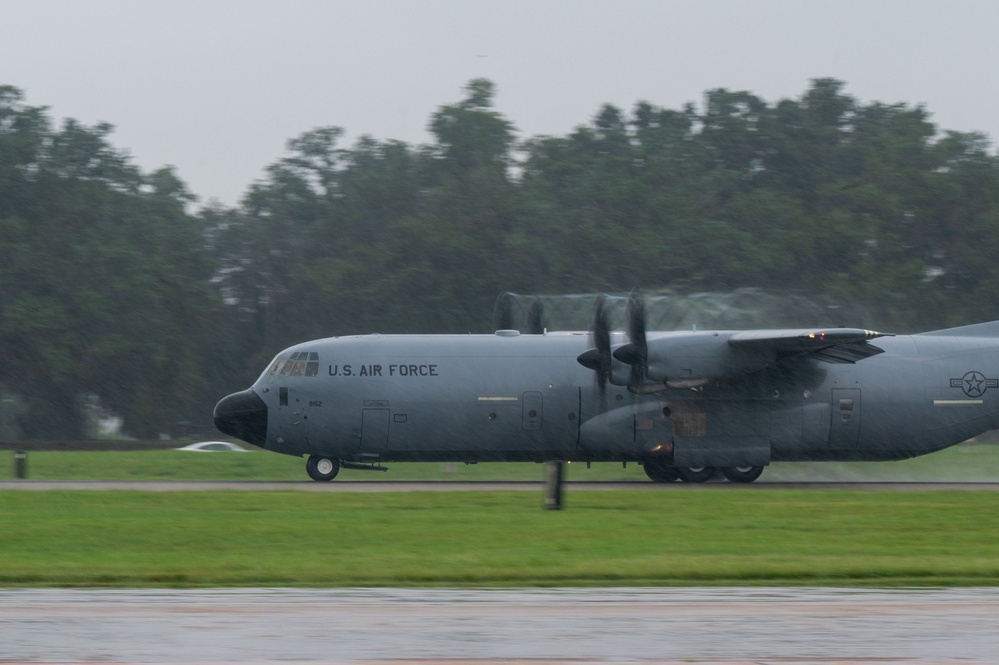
(691, 359)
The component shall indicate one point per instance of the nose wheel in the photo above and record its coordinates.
(322, 468)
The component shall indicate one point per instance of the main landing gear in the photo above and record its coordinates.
(322, 468)
(660, 472)
(742, 474)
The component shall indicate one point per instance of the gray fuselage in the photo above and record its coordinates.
(521, 397)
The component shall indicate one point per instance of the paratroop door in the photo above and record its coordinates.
(844, 429)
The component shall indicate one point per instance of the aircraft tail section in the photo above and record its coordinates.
(990, 329)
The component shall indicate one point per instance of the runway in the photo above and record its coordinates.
(466, 486)
(646, 625)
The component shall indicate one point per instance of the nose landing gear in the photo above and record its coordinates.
(322, 468)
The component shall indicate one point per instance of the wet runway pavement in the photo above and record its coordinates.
(704, 625)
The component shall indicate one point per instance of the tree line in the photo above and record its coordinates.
(118, 298)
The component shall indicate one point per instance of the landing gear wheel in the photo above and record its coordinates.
(660, 472)
(742, 474)
(695, 474)
(322, 468)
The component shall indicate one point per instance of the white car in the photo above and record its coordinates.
(215, 447)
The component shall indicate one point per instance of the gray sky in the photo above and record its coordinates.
(216, 88)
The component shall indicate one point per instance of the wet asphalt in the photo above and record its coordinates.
(644, 625)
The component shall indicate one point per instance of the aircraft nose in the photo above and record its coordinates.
(244, 416)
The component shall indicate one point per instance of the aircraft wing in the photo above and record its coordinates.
(836, 345)
(692, 359)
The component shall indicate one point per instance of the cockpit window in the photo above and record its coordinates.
(312, 366)
(300, 363)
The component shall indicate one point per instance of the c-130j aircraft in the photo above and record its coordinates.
(683, 404)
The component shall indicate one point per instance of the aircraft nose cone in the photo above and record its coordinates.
(244, 416)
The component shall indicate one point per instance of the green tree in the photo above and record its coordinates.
(105, 282)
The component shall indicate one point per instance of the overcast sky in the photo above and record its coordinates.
(216, 88)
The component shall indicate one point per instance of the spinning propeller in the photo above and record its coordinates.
(503, 311)
(635, 353)
(503, 314)
(535, 321)
(599, 358)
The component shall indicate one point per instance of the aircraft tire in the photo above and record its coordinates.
(742, 474)
(322, 469)
(659, 472)
(695, 474)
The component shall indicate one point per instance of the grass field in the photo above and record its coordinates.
(742, 537)
(965, 462)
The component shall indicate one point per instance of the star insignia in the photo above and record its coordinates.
(974, 384)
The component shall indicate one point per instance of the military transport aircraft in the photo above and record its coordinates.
(684, 404)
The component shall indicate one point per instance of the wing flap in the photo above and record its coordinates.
(848, 353)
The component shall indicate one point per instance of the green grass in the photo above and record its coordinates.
(493, 538)
(742, 537)
(965, 462)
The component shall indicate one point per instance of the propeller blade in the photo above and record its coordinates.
(535, 320)
(602, 340)
(638, 354)
(599, 358)
(503, 312)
